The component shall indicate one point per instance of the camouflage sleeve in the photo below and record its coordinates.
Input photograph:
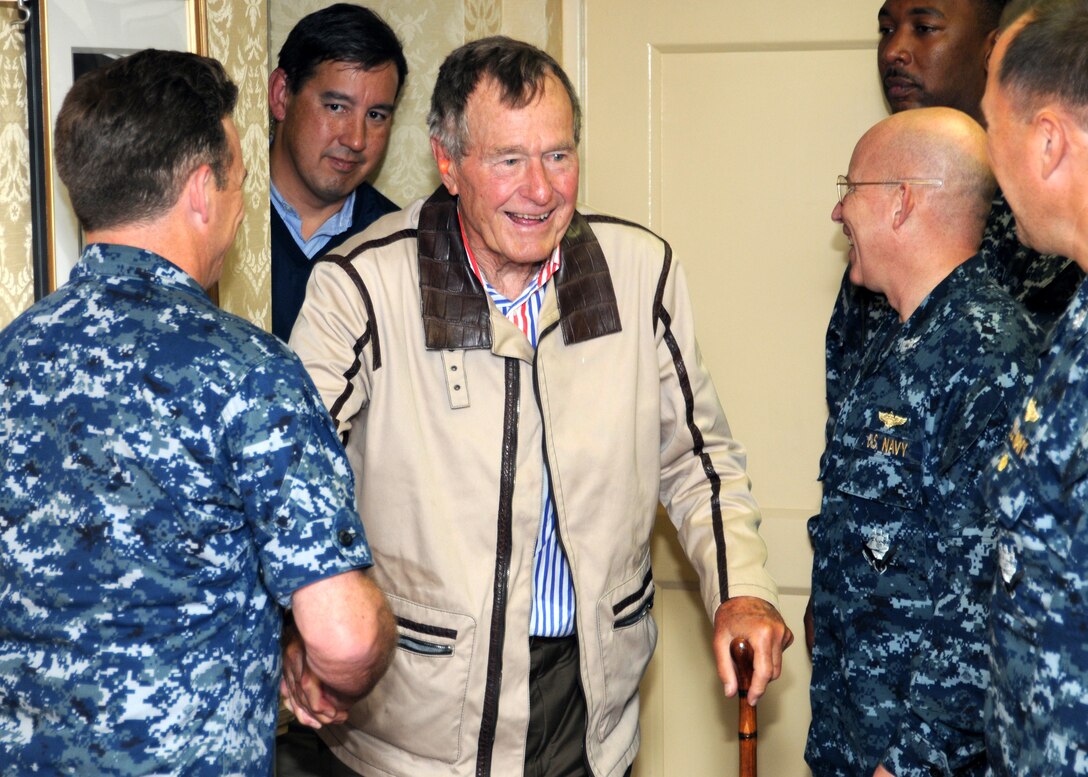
(293, 477)
(950, 672)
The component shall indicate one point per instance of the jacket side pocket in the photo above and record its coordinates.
(426, 685)
(627, 636)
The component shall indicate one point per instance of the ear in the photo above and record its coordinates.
(902, 205)
(445, 165)
(1051, 141)
(278, 94)
(198, 192)
(988, 50)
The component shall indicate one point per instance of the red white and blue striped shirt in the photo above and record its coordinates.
(553, 590)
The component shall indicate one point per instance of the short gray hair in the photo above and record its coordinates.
(517, 67)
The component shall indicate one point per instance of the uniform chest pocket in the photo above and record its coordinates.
(886, 466)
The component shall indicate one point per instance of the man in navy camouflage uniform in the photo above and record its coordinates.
(169, 478)
(904, 547)
(1037, 105)
(934, 54)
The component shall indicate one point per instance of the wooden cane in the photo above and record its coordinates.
(746, 721)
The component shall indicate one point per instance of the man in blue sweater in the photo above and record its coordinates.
(332, 99)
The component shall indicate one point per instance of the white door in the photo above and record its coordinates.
(722, 124)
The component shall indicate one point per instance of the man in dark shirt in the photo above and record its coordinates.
(904, 545)
(332, 99)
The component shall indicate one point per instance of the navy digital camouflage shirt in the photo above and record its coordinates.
(168, 477)
(904, 545)
(1037, 715)
(1042, 284)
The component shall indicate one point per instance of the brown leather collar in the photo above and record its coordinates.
(454, 304)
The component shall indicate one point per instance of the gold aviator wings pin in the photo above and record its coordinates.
(890, 420)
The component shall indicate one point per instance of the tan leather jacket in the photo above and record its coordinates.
(449, 413)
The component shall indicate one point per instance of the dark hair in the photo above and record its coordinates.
(1014, 9)
(130, 133)
(990, 12)
(340, 33)
(1048, 58)
(517, 67)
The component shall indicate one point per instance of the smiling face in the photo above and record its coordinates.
(860, 214)
(933, 53)
(331, 133)
(518, 179)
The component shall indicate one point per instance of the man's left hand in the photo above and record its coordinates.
(760, 623)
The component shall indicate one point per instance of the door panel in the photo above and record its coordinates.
(722, 126)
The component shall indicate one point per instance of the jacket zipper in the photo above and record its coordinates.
(503, 550)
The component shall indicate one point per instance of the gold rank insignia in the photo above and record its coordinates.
(1018, 441)
(890, 420)
(1031, 413)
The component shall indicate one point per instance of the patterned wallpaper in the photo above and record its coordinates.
(246, 35)
(16, 280)
(238, 37)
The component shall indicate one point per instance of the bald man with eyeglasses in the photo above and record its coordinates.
(903, 545)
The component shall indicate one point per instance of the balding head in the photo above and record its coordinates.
(934, 143)
(923, 193)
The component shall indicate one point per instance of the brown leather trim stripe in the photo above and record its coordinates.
(697, 450)
(404, 234)
(368, 337)
(659, 296)
(349, 374)
(597, 218)
(423, 628)
(629, 600)
(343, 261)
(503, 548)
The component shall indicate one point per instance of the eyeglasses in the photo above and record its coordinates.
(846, 186)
